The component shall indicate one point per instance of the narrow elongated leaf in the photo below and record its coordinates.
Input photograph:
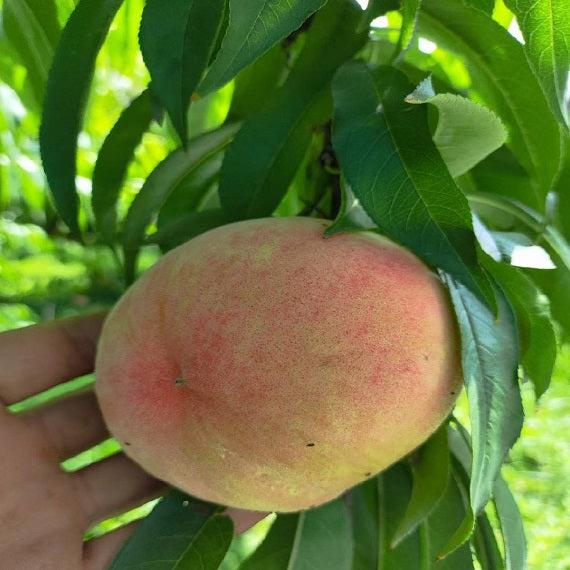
(409, 10)
(177, 39)
(390, 161)
(266, 153)
(466, 132)
(503, 79)
(485, 544)
(274, 552)
(160, 184)
(365, 509)
(113, 160)
(32, 29)
(489, 358)
(545, 25)
(511, 526)
(182, 228)
(317, 539)
(537, 338)
(430, 470)
(67, 89)
(176, 526)
(254, 26)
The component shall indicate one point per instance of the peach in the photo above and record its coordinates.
(264, 367)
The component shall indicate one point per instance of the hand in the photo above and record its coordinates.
(44, 511)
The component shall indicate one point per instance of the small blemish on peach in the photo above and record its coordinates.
(180, 381)
(310, 445)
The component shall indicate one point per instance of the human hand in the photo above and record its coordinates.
(45, 511)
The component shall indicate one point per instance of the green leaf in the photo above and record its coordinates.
(112, 162)
(317, 539)
(210, 545)
(490, 357)
(351, 216)
(32, 29)
(390, 161)
(177, 39)
(485, 544)
(466, 132)
(186, 226)
(254, 26)
(536, 334)
(66, 93)
(266, 153)
(161, 182)
(274, 552)
(503, 80)
(375, 9)
(395, 489)
(511, 526)
(545, 26)
(177, 530)
(255, 84)
(365, 510)
(409, 10)
(430, 470)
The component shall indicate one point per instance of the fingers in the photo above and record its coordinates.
(38, 357)
(72, 425)
(113, 486)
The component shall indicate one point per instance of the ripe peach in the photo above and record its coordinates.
(264, 367)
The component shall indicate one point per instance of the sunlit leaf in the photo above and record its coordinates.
(67, 90)
(503, 80)
(466, 132)
(32, 28)
(177, 39)
(254, 26)
(545, 26)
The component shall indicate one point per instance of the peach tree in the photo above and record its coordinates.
(441, 124)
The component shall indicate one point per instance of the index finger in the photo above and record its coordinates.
(38, 357)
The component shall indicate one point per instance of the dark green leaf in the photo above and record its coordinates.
(537, 338)
(254, 26)
(466, 132)
(67, 89)
(158, 186)
(511, 526)
(545, 25)
(390, 161)
(490, 359)
(112, 162)
(175, 528)
(317, 539)
(502, 78)
(365, 525)
(32, 28)
(562, 190)
(430, 470)
(176, 39)
(268, 150)
(186, 226)
(255, 84)
(209, 546)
